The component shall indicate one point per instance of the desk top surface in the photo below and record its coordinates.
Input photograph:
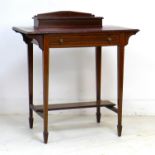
(33, 31)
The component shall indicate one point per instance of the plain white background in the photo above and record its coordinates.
(72, 71)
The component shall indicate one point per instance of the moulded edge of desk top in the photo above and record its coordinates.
(33, 31)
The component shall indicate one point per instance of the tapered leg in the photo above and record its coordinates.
(45, 90)
(98, 81)
(30, 82)
(120, 68)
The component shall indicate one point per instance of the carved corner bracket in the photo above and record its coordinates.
(36, 39)
(127, 36)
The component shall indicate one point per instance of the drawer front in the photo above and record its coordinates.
(82, 40)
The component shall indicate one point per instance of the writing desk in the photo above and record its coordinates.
(73, 29)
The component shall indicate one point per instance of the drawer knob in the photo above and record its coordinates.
(109, 39)
(61, 41)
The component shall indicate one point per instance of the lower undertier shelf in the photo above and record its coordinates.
(92, 104)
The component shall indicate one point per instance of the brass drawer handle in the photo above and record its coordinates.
(109, 39)
(61, 41)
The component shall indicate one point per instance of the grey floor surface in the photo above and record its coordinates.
(77, 135)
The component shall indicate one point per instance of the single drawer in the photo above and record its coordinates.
(82, 40)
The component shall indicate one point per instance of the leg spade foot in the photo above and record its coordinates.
(98, 117)
(119, 130)
(31, 122)
(45, 134)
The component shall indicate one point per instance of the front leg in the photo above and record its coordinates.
(98, 81)
(120, 70)
(45, 88)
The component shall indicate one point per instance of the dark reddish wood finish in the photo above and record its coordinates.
(28, 41)
(30, 77)
(45, 87)
(58, 106)
(98, 81)
(66, 19)
(120, 71)
(57, 33)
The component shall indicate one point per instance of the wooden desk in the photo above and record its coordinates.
(73, 29)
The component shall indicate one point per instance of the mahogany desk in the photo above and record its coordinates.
(73, 29)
